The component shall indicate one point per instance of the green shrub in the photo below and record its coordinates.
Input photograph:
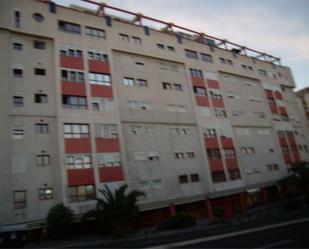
(179, 221)
(218, 211)
(59, 220)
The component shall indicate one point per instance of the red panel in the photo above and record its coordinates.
(282, 141)
(287, 158)
(291, 140)
(217, 102)
(196, 81)
(278, 95)
(202, 100)
(216, 165)
(231, 163)
(107, 145)
(111, 174)
(269, 93)
(98, 66)
(71, 62)
(296, 156)
(77, 145)
(213, 84)
(71, 88)
(282, 110)
(227, 142)
(101, 91)
(80, 176)
(211, 143)
(273, 108)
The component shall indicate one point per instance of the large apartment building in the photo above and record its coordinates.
(89, 99)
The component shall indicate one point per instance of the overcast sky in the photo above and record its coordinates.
(277, 27)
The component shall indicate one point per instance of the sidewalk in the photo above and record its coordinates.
(201, 229)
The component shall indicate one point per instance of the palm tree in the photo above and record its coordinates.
(116, 209)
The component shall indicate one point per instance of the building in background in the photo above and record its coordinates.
(89, 99)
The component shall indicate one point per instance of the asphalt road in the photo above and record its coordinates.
(291, 236)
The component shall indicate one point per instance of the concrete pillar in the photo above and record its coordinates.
(243, 208)
(209, 209)
(172, 209)
(265, 196)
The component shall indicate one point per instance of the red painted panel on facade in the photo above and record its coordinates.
(98, 66)
(273, 108)
(269, 93)
(211, 142)
(77, 145)
(71, 62)
(283, 110)
(231, 163)
(202, 100)
(216, 164)
(80, 176)
(278, 95)
(107, 145)
(287, 158)
(291, 140)
(217, 103)
(101, 91)
(111, 174)
(196, 81)
(213, 84)
(296, 156)
(282, 141)
(71, 88)
(227, 142)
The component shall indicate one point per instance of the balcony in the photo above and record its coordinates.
(202, 100)
(101, 91)
(213, 84)
(71, 62)
(111, 174)
(287, 158)
(72, 88)
(80, 176)
(278, 95)
(227, 142)
(273, 108)
(282, 141)
(197, 81)
(283, 110)
(211, 143)
(99, 66)
(216, 164)
(231, 163)
(107, 145)
(217, 103)
(269, 93)
(77, 145)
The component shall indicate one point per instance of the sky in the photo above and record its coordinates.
(277, 27)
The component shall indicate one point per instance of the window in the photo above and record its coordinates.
(124, 37)
(213, 154)
(180, 130)
(18, 101)
(19, 199)
(106, 131)
(179, 155)
(45, 193)
(220, 113)
(196, 73)
(206, 57)
(81, 193)
(215, 95)
(195, 177)
(108, 159)
(153, 156)
(76, 131)
(170, 48)
(17, 131)
(139, 105)
(191, 54)
(199, 91)
(229, 153)
(94, 32)
(43, 160)
(176, 108)
(102, 104)
(218, 176)
(183, 179)
(222, 60)
(39, 44)
(39, 71)
(242, 131)
(71, 52)
(99, 79)
(139, 156)
(128, 81)
(230, 62)
(40, 98)
(97, 56)
(262, 72)
(177, 87)
(190, 155)
(38, 17)
(41, 128)
(17, 46)
(272, 167)
(74, 102)
(234, 174)
(17, 72)
(137, 40)
(209, 133)
(205, 111)
(69, 27)
(17, 19)
(247, 150)
(72, 76)
(167, 86)
(78, 161)
(141, 82)
(160, 46)
(261, 115)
